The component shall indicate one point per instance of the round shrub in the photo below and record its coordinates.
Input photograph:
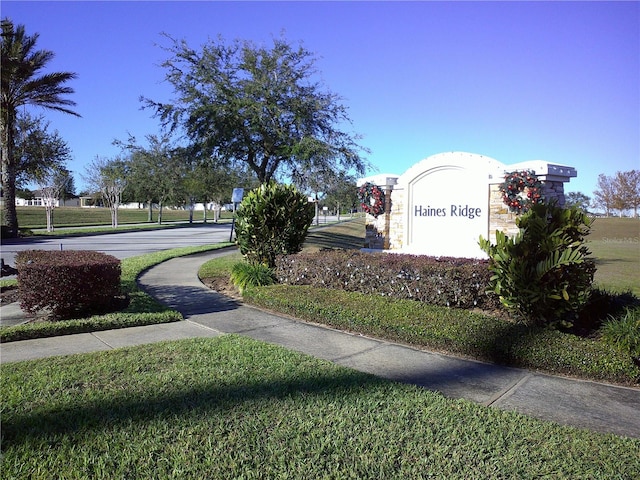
(273, 220)
(68, 283)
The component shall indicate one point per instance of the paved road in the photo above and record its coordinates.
(129, 244)
(123, 245)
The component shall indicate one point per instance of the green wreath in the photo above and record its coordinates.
(371, 199)
(520, 190)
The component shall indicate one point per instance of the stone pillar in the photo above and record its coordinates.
(378, 230)
(553, 178)
(387, 216)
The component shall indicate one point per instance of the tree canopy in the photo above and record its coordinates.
(619, 192)
(38, 152)
(109, 177)
(578, 199)
(257, 105)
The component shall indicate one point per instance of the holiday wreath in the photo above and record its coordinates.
(372, 199)
(520, 190)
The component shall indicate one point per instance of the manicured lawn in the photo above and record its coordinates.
(231, 407)
(615, 243)
(349, 235)
(35, 217)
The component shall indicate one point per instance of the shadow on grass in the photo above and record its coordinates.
(126, 407)
(611, 261)
(320, 239)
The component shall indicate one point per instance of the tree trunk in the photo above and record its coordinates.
(114, 216)
(49, 210)
(150, 217)
(317, 213)
(8, 180)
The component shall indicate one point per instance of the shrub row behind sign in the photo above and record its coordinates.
(444, 281)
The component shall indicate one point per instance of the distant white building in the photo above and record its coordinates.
(38, 201)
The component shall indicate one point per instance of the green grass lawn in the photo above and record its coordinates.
(615, 244)
(35, 217)
(231, 407)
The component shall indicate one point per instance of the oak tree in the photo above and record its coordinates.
(262, 106)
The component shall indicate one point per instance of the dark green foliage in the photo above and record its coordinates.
(450, 282)
(544, 273)
(245, 275)
(260, 105)
(602, 306)
(68, 283)
(273, 220)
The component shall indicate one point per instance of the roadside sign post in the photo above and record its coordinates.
(236, 198)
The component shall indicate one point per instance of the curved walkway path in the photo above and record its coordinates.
(585, 404)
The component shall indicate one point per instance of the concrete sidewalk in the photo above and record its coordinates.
(585, 404)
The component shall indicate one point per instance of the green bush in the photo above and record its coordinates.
(273, 220)
(68, 283)
(624, 332)
(245, 275)
(544, 273)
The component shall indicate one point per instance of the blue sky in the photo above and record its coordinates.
(516, 81)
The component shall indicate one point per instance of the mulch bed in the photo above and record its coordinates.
(9, 294)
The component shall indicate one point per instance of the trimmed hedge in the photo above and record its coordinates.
(443, 281)
(68, 283)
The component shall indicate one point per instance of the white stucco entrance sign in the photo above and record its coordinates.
(447, 204)
(443, 204)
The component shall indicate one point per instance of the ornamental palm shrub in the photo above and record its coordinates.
(273, 220)
(544, 273)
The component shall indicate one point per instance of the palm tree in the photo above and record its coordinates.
(23, 85)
